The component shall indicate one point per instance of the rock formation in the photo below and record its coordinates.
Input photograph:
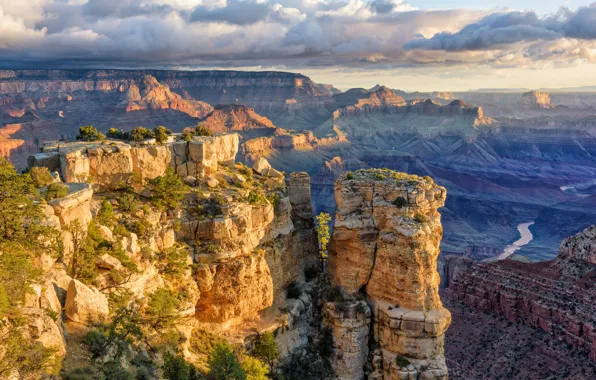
(111, 163)
(536, 99)
(385, 244)
(555, 296)
(237, 118)
(450, 267)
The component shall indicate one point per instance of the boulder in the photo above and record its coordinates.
(106, 261)
(261, 165)
(190, 180)
(237, 179)
(274, 173)
(106, 233)
(211, 182)
(85, 305)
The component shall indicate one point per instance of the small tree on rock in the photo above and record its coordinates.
(90, 133)
(323, 236)
(224, 365)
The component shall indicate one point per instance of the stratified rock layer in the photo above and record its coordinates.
(556, 296)
(115, 162)
(350, 328)
(385, 243)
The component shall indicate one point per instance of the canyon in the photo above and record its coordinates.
(552, 302)
(406, 261)
(503, 162)
(240, 238)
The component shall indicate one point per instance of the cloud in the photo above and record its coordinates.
(237, 12)
(513, 27)
(359, 34)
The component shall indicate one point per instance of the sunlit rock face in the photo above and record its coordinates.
(385, 246)
(111, 163)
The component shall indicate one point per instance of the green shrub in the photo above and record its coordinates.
(379, 176)
(114, 133)
(273, 198)
(254, 368)
(81, 373)
(202, 130)
(400, 202)
(113, 370)
(173, 261)
(140, 134)
(162, 308)
(140, 226)
(420, 218)
(402, 361)
(176, 368)
(256, 197)
(128, 202)
(224, 365)
(245, 171)
(349, 175)
(90, 133)
(167, 191)
(203, 342)
(41, 176)
(161, 134)
(55, 191)
(265, 349)
(105, 215)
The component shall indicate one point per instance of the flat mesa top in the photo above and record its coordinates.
(387, 176)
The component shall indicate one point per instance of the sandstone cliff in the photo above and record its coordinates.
(240, 236)
(385, 245)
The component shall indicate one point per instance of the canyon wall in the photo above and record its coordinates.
(385, 246)
(554, 296)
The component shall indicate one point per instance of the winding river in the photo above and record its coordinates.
(526, 237)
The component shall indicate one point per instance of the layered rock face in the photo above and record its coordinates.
(350, 328)
(114, 162)
(226, 118)
(385, 244)
(555, 296)
(450, 267)
(248, 255)
(581, 246)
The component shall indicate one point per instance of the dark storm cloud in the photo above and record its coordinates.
(382, 6)
(513, 27)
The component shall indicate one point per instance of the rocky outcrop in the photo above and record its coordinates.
(200, 156)
(85, 305)
(350, 326)
(237, 118)
(148, 93)
(113, 163)
(554, 296)
(536, 100)
(385, 244)
(76, 205)
(581, 246)
(450, 267)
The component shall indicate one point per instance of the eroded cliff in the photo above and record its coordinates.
(385, 246)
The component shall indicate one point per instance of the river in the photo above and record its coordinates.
(525, 237)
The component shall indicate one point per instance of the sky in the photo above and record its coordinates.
(424, 45)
